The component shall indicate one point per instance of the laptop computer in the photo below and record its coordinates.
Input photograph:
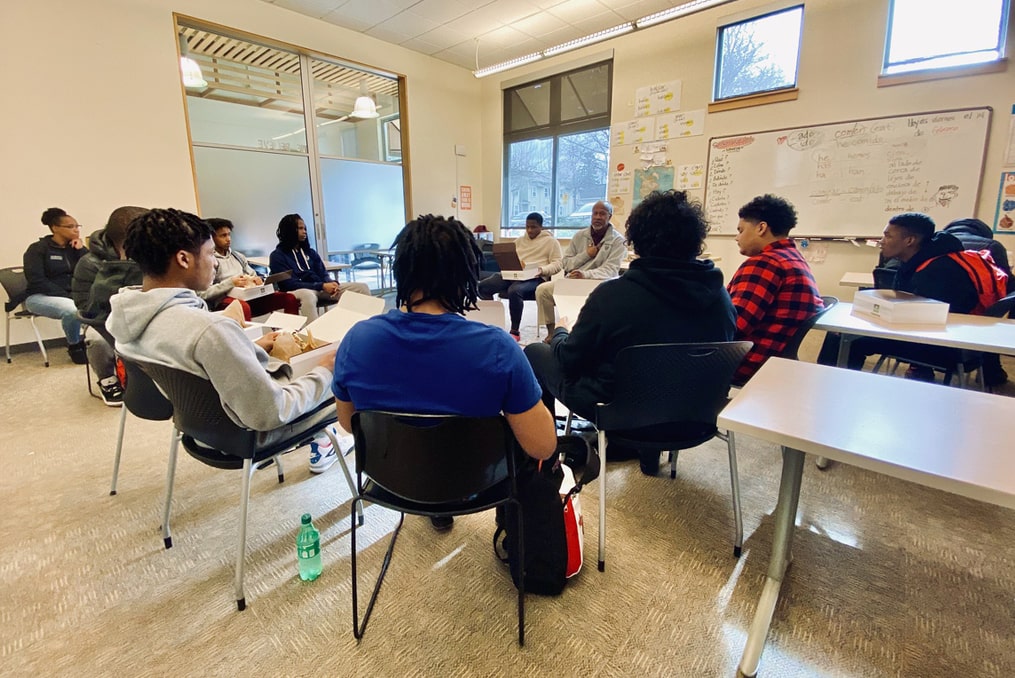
(506, 256)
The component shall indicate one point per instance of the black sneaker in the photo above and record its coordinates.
(920, 373)
(77, 353)
(442, 523)
(111, 392)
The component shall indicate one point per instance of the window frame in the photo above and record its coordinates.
(935, 72)
(553, 130)
(770, 95)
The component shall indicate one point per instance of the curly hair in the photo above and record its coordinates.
(155, 237)
(667, 224)
(289, 235)
(440, 258)
(773, 210)
(52, 216)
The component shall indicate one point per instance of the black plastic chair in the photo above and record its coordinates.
(15, 285)
(432, 465)
(366, 258)
(199, 416)
(143, 399)
(667, 398)
(792, 347)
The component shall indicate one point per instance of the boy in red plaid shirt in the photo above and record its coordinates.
(774, 290)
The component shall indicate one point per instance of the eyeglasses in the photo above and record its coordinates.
(70, 226)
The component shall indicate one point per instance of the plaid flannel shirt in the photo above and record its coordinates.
(773, 292)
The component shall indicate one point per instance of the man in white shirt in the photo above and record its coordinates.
(595, 253)
(536, 248)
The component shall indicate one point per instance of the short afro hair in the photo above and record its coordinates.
(668, 225)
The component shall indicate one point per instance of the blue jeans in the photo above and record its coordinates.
(517, 292)
(58, 308)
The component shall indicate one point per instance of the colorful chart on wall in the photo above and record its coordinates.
(847, 178)
(651, 179)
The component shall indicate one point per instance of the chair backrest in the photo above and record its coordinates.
(433, 458)
(1002, 307)
(198, 412)
(363, 257)
(791, 348)
(142, 397)
(660, 384)
(15, 285)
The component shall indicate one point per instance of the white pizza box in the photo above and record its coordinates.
(899, 308)
(569, 295)
(255, 331)
(331, 327)
(524, 274)
(287, 322)
(248, 293)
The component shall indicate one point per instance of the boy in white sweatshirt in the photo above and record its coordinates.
(536, 248)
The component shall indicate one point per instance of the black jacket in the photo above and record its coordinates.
(656, 301)
(976, 235)
(99, 250)
(49, 268)
(942, 279)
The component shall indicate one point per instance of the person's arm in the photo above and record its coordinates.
(234, 365)
(217, 292)
(753, 290)
(946, 280)
(34, 261)
(345, 412)
(611, 255)
(575, 254)
(580, 350)
(556, 260)
(534, 430)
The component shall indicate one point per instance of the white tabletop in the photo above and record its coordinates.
(948, 438)
(328, 265)
(853, 279)
(972, 332)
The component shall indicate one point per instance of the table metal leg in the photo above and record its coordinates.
(845, 341)
(782, 544)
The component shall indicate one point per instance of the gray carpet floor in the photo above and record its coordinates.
(889, 578)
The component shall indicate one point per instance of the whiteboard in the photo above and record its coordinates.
(846, 179)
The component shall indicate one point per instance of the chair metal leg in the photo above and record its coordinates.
(174, 445)
(241, 550)
(567, 424)
(359, 629)
(345, 471)
(38, 340)
(879, 363)
(88, 381)
(119, 448)
(731, 446)
(602, 502)
(673, 463)
(7, 336)
(278, 466)
(821, 463)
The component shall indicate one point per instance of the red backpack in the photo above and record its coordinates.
(990, 281)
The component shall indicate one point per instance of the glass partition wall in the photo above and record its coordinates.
(260, 151)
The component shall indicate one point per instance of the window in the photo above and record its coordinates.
(925, 35)
(556, 149)
(262, 150)
(758, 55)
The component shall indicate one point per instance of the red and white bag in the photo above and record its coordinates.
(574, 528)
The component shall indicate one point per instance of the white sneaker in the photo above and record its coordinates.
(109, 389)
(322, 456)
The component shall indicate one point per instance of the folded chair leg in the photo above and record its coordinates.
(738, 540)
(174, 444)
(602, 502)
(345, 471)
(241, 551)
(119, 448)
(359, 629)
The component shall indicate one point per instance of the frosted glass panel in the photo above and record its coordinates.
(363, 202)
(254, 190)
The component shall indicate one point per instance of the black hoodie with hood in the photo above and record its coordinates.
(942, 279)
(976, 235)
(657, 301)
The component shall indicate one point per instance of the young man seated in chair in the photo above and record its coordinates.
(165, 322)
(773, 290)
(668, 295)
(424, 357)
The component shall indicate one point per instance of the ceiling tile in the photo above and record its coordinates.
(443, 37)
(369, 12)
(422, 46)
(443, 11)
(508, 11)
(312, 8)
(409, 23)
(539, 25)
(505, 36)
(599, 22)
(572, 11)
(388, 34)
(476, 22)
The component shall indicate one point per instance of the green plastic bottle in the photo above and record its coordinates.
(308, 550)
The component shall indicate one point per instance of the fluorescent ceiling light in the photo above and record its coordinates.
(503, 66)
(589, 39)
(674, 12)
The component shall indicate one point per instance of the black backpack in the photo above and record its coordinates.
(543, 511)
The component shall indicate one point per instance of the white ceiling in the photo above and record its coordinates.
(477, 33)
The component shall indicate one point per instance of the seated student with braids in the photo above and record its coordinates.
(310, 281)
(166, 322)
(410, 359)
(233, 270)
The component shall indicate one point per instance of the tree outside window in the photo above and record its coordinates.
(758, 55)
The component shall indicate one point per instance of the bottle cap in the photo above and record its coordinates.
(305, 519)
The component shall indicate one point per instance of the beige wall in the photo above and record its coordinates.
(93, 110)
(840, 60)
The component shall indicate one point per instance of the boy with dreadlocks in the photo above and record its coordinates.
(410, 359)
(166, 322)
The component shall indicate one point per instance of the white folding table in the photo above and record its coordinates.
(947, 438)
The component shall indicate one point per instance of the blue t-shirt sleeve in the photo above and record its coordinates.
(338, 382)
(523, 390)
